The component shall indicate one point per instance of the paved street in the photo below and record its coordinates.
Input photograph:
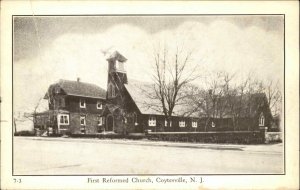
(66, 156)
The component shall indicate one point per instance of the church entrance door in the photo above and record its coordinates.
(110, 123)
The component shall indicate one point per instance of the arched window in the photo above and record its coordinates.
(261, 121)
(113, 93)
(194, 124)
(152, 121)
(166, 123)
(182, 123)
(213, 125)
(99, 104)
(111, 90)
(135, 119)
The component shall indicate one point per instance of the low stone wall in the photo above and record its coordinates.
(271, 137)
(24, 133)
(109, 136)
(235, 137)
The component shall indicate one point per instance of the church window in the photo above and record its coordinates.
(182, 123)
(213, 125)
(135, 119)
(63, 119)
(152, 121)
(82, 120)
(166, 123)
(261, 120)
(112, 92)
(194, 124)
(82, 103)
(99, 105)
(100, 120)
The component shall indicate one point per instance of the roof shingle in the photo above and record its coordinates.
(76, 88)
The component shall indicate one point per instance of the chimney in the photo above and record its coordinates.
(78, 79)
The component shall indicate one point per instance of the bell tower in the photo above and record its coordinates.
(117, 76)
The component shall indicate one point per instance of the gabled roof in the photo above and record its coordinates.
(82, 89)
(143, 95)
(110, 108)
(247, 105)
(52, 112)
(117, 56)
(140, 92)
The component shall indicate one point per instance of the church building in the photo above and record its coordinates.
(76, 107)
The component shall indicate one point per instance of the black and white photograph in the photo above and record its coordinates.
(148, 94)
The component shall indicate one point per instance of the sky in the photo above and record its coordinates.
(47, 49)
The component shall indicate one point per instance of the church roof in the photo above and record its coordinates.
(52, 112)
(117, 56)
(243, 106)
(143, 95)
(247, 105)
(83, 89)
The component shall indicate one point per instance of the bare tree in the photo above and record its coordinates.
(172, 73)
(220, 95)
(270, 88)
(212, 102)
(274, 97)
(201, 101)
(32, 115)
(226, 95)
(239, 100)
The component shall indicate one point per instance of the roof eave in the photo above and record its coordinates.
(133, 100)
(95, 97)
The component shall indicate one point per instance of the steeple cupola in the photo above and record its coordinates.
(116, 62)
(117, 76)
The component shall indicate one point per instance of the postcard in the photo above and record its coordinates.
(149, 95)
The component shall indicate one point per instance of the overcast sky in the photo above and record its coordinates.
(47, 49)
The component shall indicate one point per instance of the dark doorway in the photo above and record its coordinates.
(110, 123)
